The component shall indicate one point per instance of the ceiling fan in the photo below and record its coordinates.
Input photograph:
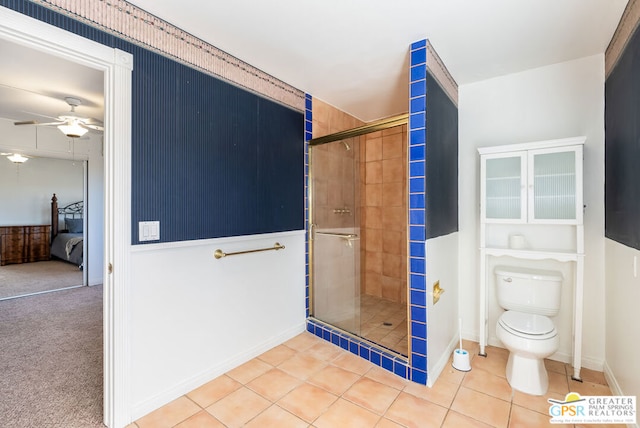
(70, 123)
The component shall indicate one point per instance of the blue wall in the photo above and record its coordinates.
(441, 162)
(209, 159)
(622, 147)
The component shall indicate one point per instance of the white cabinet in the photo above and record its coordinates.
(532, 186)
(533, 192)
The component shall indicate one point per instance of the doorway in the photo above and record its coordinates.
(116, 66)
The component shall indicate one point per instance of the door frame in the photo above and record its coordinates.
(117, 66)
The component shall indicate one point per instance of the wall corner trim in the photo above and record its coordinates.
(439, 71)
(626, 27)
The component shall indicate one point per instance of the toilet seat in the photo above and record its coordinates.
(528, 326)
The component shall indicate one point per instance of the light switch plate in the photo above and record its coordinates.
(148, 231)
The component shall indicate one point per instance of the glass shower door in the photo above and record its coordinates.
(335, 242)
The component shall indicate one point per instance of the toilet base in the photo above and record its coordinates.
(527, 375)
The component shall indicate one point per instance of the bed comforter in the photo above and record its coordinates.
(68, 247)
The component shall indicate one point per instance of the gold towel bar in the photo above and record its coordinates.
(218, 254)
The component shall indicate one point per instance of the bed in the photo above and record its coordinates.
(67, 243)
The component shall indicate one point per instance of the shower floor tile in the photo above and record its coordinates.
(324, 388)
(384, 322)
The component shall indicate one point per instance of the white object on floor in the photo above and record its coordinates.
(461, 356)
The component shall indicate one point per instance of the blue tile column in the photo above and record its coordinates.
(417, 213)
(308, 135)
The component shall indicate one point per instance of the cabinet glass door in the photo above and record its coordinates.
(504, 188)
(554, 192)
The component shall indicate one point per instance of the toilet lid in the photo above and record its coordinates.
(530, 324)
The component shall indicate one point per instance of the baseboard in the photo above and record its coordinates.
(470, 336)
(615, 386)
(140, 409)
(611, 380)
(586, 362)
(435, 371)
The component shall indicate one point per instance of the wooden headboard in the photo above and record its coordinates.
(73, 210)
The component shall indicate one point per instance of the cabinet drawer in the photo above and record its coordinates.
(37, 229)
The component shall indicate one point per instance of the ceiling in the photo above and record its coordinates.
(351, 54)
(354, 54)
(33, 85)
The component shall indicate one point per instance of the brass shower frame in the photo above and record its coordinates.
(379, 125)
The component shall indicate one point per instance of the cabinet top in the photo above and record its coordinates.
(572, 141)
(23, 225)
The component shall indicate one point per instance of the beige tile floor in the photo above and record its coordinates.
(307, 382)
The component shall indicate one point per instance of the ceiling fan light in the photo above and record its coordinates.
(17, 158)
(72, 130)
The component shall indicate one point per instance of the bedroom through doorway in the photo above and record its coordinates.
(42, 243)
(45, 248)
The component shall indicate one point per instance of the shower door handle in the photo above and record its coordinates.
(339, 235)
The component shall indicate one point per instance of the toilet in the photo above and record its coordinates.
(529, 297)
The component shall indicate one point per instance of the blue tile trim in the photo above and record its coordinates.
(363, 349)
(416, 200)
(308, 135)
(417, 136)
(416, 216)
(418, 120)
(419, 56)
(418, 314)
(419, 298)
(418, 88)
(419, 44)
(417, 282)
(419, 361)
(418, 72)
(416, 185)
(419, 346)
(417, 233)
(416, 169)
(419, 329)
(417, 152)
(416, 249)
(418, 140)
(419, 376)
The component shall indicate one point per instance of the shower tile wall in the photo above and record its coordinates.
(384, 223)
(329, 120)
(335, 185)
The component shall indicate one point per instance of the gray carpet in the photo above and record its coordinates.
(51, 360)
(27, 278)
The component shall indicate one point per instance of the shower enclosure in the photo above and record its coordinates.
(358, 232)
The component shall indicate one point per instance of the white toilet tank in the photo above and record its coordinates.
(528, 290)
